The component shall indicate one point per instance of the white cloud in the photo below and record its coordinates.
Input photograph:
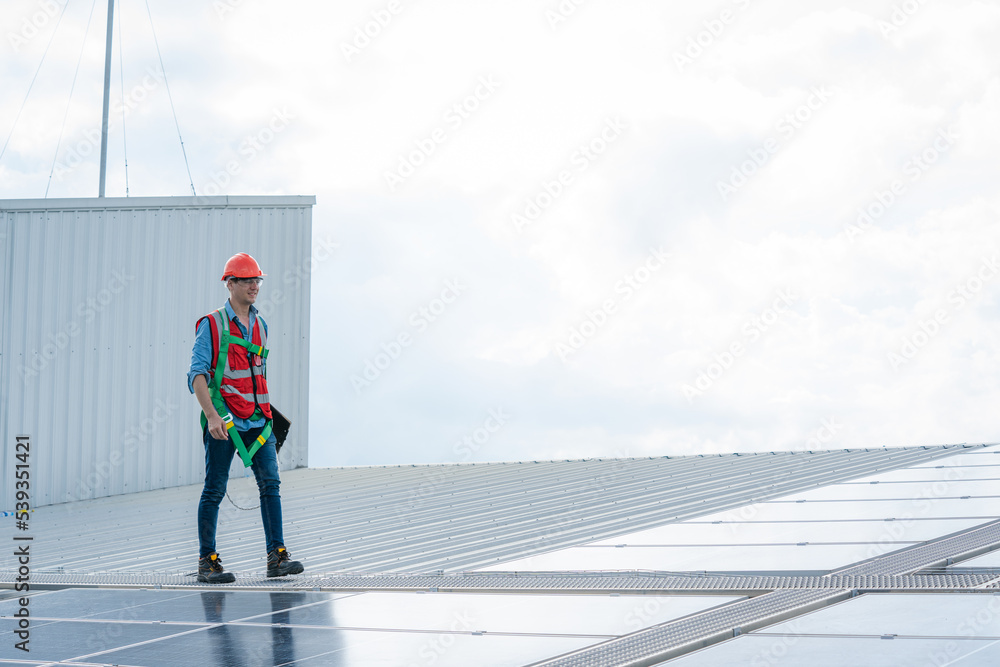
(655, 185)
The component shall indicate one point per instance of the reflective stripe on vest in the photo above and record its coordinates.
(239, 377)
(227, 381)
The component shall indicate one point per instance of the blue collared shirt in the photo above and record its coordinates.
(201, 357)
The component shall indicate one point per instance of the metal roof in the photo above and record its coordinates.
(424, 518)
(118, 203)
(389, 550)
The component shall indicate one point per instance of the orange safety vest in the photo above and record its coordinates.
(242, 384)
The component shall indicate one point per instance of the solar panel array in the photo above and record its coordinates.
(851, 557)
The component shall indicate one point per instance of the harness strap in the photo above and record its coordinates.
(225, 338)
(247, 454)
(259, 350)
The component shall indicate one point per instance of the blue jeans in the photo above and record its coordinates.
(218, 457)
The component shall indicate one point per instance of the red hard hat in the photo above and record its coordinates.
(241, 265)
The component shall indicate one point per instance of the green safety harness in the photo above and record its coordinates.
(225, 339)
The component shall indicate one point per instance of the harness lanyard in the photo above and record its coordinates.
(225, 337)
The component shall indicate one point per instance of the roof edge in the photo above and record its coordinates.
(957, 446)
(104, 203)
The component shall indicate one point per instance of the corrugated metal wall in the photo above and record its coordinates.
(99, 299)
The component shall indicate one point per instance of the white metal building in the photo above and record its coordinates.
(98, 304)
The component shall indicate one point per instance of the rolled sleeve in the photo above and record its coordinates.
(201, 355)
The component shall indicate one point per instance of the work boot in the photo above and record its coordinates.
(210, 570)
(279, 564)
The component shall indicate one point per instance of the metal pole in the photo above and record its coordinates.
(107, 98)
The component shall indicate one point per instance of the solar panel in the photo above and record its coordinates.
(611, 588)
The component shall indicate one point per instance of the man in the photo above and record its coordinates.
(228, 378)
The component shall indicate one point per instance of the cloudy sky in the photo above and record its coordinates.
(577, 228)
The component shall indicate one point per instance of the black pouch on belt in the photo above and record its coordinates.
(279, 428)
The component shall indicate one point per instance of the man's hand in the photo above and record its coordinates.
(216, 427)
